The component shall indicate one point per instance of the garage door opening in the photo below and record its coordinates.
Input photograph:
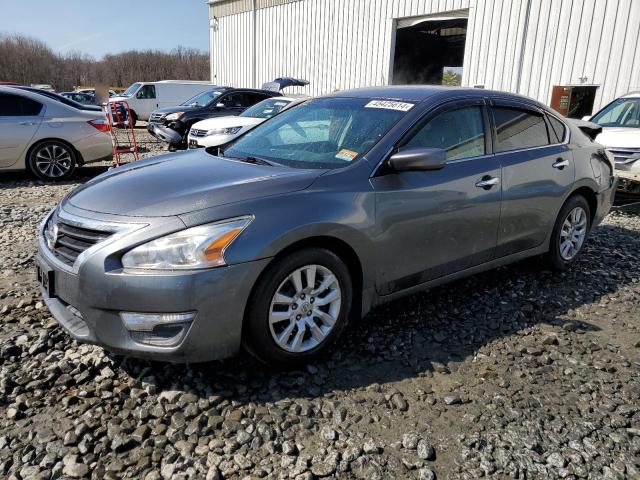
(429, 51)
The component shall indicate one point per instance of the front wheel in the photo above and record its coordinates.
(52, 160)
(569, 233)
(299, 307)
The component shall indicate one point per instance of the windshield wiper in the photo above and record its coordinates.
(253, 160)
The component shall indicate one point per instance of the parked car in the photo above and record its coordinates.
(145, 97)
(214, 132)
(83, 98)
(620, 122)
(92, 91)
(60, 98)
(314, 217)
(46, 136)
(171, 125)
(44, 86)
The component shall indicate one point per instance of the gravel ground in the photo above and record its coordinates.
(519, 373)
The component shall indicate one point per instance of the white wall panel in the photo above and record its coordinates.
(339, 44)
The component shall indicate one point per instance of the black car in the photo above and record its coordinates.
(171, 124)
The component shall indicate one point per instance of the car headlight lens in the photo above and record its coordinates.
(224, 131)
(193, 248)
(174, 116)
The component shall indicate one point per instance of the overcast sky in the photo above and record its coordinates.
(99, 27)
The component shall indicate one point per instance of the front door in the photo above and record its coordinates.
(537, 173)
(146, 101)
(20, 118)
(434, 223)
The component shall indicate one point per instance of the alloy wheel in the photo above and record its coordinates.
(573, 233)
(305, 308)
(53, 160)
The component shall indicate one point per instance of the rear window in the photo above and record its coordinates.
(518, 128)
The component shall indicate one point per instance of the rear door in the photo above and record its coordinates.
(537, 173)
(434, 223)
(20, 118)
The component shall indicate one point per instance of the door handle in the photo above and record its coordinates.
(27, 123)
(560, 163)
(487, 182)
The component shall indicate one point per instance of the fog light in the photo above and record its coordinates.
(157, 329)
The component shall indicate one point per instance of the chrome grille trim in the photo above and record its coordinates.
(194, 132)
(625, 155)
(69, 254)
(156, 118)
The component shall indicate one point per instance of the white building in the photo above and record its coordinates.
(524, 46)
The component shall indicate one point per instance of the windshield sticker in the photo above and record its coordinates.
(346, 154)
(390, 105)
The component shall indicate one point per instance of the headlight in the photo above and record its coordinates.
(197, 247)
(224, 131)
(174, 116)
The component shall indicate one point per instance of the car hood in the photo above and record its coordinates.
(618, 137)
(185, 182)
(226, 122)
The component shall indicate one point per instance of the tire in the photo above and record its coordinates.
(52, 160)
(134, 118)
(302, 308)
(570, 227)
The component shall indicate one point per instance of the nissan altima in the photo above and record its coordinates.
(276, 241)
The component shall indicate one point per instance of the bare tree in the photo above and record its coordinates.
(26, 60)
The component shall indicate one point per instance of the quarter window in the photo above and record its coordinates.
(15, 106)
(517, 128)
(459, 132)
(558, 129)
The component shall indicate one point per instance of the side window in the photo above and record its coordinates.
(15, 106)
(460, 132)
(518, 128)
(235, 100)
(147, 92)
(558, 130)
(253, 98)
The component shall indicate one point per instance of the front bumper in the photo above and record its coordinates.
(87, 303)
(165, 134)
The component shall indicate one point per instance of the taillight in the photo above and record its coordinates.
(99, 124)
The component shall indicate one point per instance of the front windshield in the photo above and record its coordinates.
(131, 90)
(322, 133)
(266, 108)
(624, 112)
(202, 99)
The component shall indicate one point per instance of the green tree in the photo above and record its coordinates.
(451, 78)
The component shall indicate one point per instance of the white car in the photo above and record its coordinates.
(48, 137)
(620, 122)
(214, 132)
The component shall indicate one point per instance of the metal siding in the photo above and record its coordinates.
(339, 44)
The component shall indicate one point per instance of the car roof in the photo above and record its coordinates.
(420, 93)
(635, 94)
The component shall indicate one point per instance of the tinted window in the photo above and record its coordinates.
(253, 98)
(557, 129)
(234, 100)
(15, 106)
(459, 132)
(516, 129)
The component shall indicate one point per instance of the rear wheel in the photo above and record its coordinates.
(569, 233)
(52, 160)
(299, 307)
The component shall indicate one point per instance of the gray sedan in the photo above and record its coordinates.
(305, 223)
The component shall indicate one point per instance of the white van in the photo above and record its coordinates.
(145, 97)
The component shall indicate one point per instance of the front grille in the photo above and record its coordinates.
(197, 133)
(156, 118)
(625, 155)
(69, 241)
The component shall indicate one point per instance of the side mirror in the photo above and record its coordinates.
(418, 159)
(586, 118)
(220, 105)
